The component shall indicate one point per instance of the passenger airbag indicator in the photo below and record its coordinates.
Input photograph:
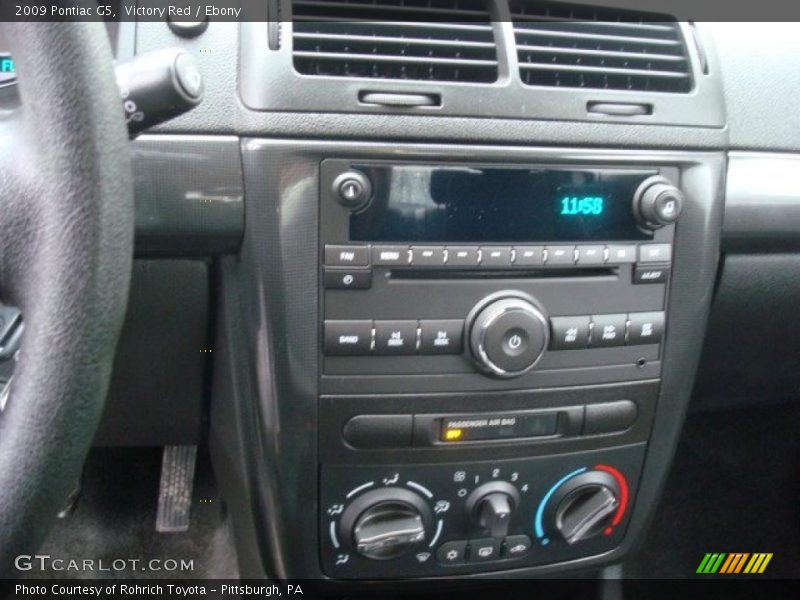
(497, 427)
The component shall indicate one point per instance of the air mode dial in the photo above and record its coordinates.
(386, 523)
(508, 334)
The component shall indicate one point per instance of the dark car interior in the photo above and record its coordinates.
(397, 296)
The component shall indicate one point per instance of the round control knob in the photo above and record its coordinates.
(491, 506)
(386, 523)
(352, 189)
(508, 335)
(657, 203)
(585, 505)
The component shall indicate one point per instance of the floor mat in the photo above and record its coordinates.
(114, 524)
(734, 487)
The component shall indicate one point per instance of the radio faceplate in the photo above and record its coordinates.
(417, 260)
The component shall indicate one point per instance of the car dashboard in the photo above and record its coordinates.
(461, 270)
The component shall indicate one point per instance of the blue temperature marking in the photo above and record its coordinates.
(539, 528)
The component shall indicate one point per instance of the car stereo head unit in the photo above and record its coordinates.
(490, 269)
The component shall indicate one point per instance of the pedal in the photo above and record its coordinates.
(175, 488)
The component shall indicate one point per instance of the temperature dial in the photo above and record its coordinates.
(585, 506)
(386, 523)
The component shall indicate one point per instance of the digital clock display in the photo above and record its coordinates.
(454, 203)
(586, 206)
(7, 65)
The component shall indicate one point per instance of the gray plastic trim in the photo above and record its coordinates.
(189, 195)
(762, 202)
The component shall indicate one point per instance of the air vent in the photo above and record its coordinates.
(428, 40)
(570, 46)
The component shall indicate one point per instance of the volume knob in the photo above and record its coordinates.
(508, 335)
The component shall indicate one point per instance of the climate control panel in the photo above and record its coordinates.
(443, 519)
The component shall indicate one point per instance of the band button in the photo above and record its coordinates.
(347, 338)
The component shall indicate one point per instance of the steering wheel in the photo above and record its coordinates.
(66, 247)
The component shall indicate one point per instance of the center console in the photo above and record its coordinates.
(493, 372)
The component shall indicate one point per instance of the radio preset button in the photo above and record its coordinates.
(347, 279)
(560, 255)
(608, 330)
(347, 338)
(650, 274)
(645, 328)
(528, 256)
(441, 337)
(569, 333)
(655, 253)
(390, 256)
(427, 256)
(462, 256)
(346, 256)
(495, 257)
(621, 254)
(591, 255)
(395, 337)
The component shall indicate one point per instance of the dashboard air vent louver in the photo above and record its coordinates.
(427, 40)
(570, 46)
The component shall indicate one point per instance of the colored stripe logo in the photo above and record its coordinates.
(734, 563)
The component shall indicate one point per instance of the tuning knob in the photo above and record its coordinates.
(585, 505)
(508, 334)
(657, 203)
(491, 506)
(386, 523)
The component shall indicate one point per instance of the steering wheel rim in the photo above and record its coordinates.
(66, 246)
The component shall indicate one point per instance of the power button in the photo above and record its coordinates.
(352, 189)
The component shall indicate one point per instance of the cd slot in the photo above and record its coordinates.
(543, 273)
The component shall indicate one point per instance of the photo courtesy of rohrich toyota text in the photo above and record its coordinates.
(430, 299)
